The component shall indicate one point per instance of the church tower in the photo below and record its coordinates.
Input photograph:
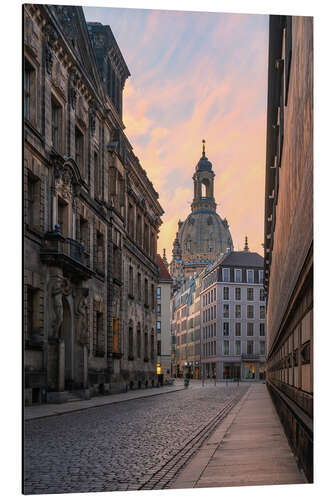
(204, 235)
(203, 180)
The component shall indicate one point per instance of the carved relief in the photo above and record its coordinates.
(92, 116)
(48, 59)
(73, 97)
(31, 37)
(82, 110)
(58, 77)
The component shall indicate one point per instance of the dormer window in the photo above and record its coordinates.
(238, 275)
(225, 274)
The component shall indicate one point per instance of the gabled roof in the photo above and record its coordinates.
(163, 270)
(243, 258)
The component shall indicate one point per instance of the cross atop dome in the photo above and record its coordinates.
(203, 147)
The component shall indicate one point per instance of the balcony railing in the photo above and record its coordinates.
(67, 253)
(251, 356)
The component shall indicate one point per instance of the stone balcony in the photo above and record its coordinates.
(67, 253)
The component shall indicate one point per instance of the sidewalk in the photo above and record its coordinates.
(248, 448)
(50, 410)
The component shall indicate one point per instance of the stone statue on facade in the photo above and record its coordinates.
(59, 288)
(82, 313)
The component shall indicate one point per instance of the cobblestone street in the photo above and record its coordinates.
(117, 447)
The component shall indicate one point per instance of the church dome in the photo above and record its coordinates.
(203, 164)
(203, 236)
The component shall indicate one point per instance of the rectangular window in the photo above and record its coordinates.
(146, 238)
(225, 293)
(79, 149)
(237, 347)
(237, 311)
(139, 229)
(100, 253)
(262, 329)
(33, 202)
(238, 331)
(146, 293)
(115, 335)
(250, 347)
(130, 282)
(262, 312)
(238, 275)
(158, 326)
(226, 274)
(152, 347)
(226, 347)
(32, 310)
(98, 340)
(250, 276)
(158, 292)
(226, 329)
(250, 329)
(261, 276)
(131, 220)
(262, 295)
(83, 233)
(238, 294)
(250, 294)
(158, 348)
(250, 312)
(226, 310)
(214, 329)
(152, 297)
(214, 293)
(262, 348)
(97, 177)
(63, 217)
(139, 286)
(214, 312)
(29, 90)
(117, 263)
(56, 124)
(158, 308)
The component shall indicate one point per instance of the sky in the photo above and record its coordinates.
(194, 76)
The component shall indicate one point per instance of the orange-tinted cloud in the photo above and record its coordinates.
(195, 76)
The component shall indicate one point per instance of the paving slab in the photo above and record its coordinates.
(248, 448)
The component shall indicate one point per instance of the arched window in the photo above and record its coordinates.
(205, 191)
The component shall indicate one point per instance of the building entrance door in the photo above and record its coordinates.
(249, 371)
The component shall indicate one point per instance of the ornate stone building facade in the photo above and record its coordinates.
(203, 236)
(91, 216)
(289, 230)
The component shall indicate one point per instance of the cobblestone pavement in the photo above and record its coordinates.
(115, 447)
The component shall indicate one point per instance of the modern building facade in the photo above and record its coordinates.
(163, 324)
(233, 318)
(186, 329)
(218, 320)
(204, 235)
(289, 229)
(91, 216)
